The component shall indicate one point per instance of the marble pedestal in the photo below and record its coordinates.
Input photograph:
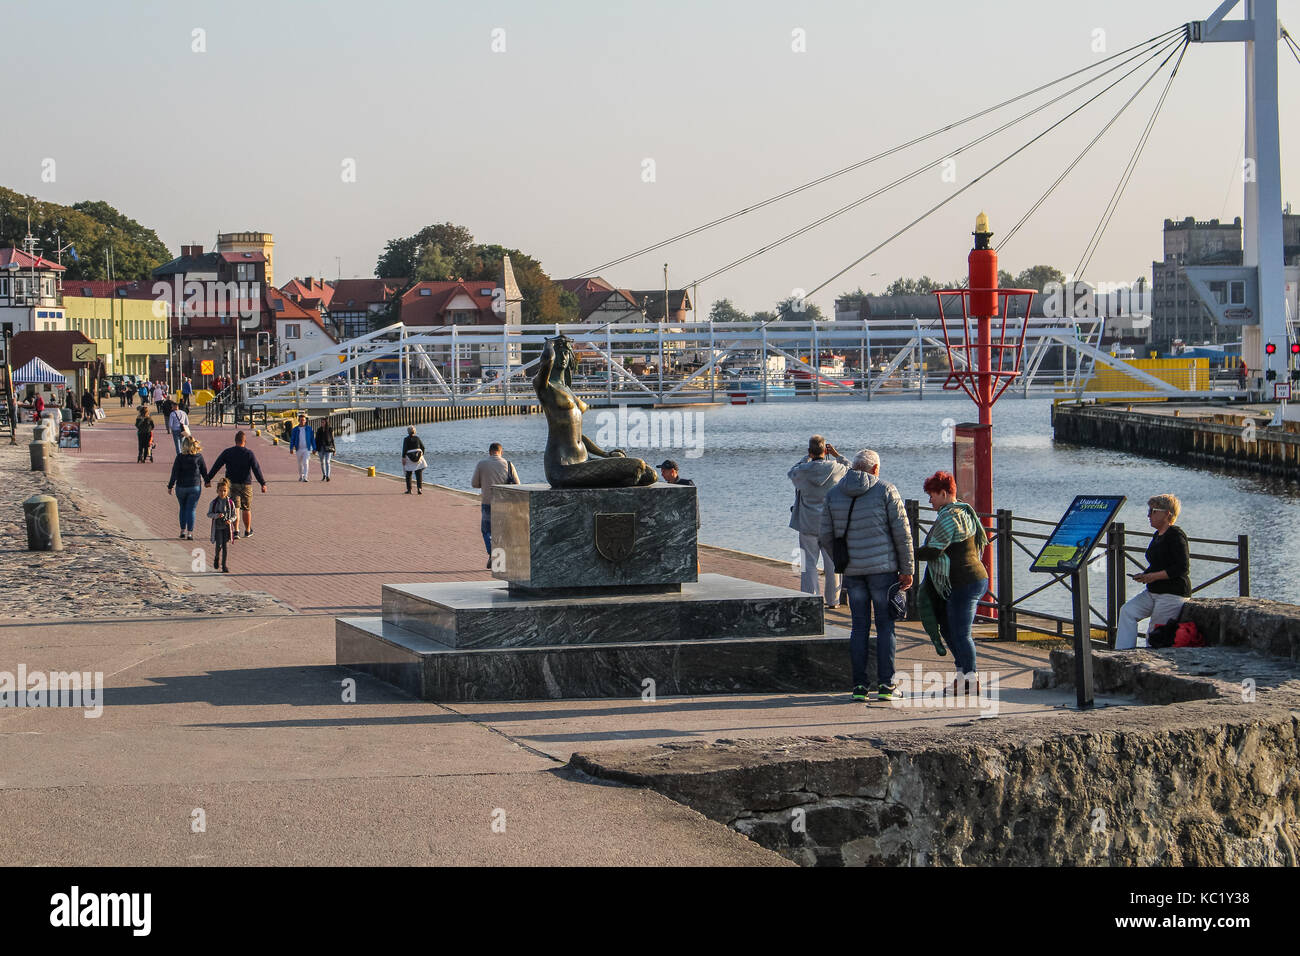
(544, 537)
(596, 592)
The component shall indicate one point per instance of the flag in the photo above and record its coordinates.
(72, 251)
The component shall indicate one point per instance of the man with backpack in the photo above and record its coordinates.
(868, 515)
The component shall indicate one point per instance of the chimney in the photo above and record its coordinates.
(191, 251)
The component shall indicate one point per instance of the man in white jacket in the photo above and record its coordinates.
(302, 442)
(813, 477)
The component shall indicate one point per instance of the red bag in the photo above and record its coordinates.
(1188, 635)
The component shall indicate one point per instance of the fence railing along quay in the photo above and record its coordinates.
(1015, 536)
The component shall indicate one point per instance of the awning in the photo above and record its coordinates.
(38, 372)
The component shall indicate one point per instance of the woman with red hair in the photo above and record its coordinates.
(955, 578)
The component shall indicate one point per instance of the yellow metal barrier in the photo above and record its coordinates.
(1190, 375)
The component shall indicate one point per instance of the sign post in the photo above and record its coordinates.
(1067, 551)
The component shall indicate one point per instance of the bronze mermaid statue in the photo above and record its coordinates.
(572, 459)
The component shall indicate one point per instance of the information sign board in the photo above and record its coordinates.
(1077, 533)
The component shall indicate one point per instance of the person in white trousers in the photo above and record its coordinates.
(813, 477)
(302, 442)
(1167, 577)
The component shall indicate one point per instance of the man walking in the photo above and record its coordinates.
(302, 442)
(869, 514)
(178, 424)
(187, 390)
(492, 470)
(239, 462)
(813, 477)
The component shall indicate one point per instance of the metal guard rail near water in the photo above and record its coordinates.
(1117, 555)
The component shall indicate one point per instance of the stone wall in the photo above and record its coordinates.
(1199, 784)
(1269, 627)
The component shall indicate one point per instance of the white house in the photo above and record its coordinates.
(30, 299)
(300, 333)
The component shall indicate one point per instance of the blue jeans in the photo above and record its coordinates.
(865, 593)
(962, 603)
(188, 498)
(485, 525)
(178, 437)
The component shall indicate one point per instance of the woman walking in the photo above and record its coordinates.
(1167, 577)
(188, 470)
(222, 513)
(955, 578)
(413, 462)
(143, 433)
(325, 447)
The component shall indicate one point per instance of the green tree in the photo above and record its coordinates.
(432, 265)
(91, 228)
(1006, 280)
(799, 309)
(1036, 277)
(401, 256)
(723, 311)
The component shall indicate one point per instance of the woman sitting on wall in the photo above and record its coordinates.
(1167, 577)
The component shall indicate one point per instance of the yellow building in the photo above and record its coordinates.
(128, 330)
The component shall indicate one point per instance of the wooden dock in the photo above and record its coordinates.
(1236, 437)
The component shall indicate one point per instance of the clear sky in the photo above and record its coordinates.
(542, 146)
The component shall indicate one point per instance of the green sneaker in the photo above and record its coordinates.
(886, 691)
(860, 693)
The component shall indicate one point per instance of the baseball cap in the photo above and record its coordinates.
(669, 463)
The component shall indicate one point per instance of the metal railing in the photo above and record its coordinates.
(1015, 536)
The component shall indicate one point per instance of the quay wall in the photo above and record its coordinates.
(1241, 442)
(371, 419)
(1202, 775)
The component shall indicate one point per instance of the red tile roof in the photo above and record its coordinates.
(55, 348)
(242, 256)
(421, 307)
(355, 295)
(10, 255)
(116, 288)
(304, 290)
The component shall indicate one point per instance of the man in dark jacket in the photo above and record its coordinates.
(239, 463)
(880, 557)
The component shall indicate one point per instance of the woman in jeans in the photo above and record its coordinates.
(187, 478)
(325, 447)
(954, 570)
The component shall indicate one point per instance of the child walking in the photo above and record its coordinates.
(222, 513)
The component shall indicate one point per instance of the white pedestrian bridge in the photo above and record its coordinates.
(688, 363)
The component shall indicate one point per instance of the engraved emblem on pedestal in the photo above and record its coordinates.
(615, 536)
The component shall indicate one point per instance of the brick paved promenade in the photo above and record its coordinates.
(323, 548)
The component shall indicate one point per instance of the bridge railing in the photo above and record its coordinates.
(1017, 540)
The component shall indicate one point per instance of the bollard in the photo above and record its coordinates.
(370, 472)
(40, 453)
(42, 514)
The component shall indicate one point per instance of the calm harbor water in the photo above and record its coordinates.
(741, 455)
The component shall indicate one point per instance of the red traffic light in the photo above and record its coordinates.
(1295, 348)
(1270, 348)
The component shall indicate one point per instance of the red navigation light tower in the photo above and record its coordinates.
(978, 374)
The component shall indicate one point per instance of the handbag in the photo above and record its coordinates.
(512, 476)
(840, 544)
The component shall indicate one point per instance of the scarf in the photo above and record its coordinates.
(955, 522)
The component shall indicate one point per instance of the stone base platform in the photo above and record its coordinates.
(434, 671)
(483, 614)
